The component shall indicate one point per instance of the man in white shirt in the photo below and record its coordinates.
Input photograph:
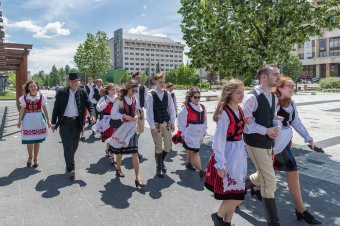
(68, 113)
(262, 105)
(141, 95)
(161, 117)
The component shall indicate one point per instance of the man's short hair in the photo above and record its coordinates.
(89, 78)
(135, 74)
(158, 76)
(169, 85)
(99, 80)
(264, 69)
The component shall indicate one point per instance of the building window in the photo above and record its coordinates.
(131, 63)
(126, 68)
(334, 42)
(126, 63)
(322, 48)
(137, 54)
(131, 53)
(301, 55)
(126, 58)
(137, 64)
(131, 69)
(131, 58)
(334, 52)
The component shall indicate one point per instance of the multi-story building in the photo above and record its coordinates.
(136, 52)
(320, 56)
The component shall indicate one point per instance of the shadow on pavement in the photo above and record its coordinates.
(18, 174)
(117, 194)
(52, 184)
(156, 184)
(101, 167)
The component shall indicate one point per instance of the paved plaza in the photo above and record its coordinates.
(97, 197)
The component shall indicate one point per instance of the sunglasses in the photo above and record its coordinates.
(196, 97)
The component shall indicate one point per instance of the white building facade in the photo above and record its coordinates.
(135, 52)
(320, 56)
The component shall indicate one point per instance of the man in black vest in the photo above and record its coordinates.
(68, 113)
(141, 95)
(170, 88)
(161, 118)
(262, 105)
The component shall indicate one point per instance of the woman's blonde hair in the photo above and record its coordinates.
(283, 101)
(229, 88)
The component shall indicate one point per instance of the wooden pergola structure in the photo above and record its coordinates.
(13, 57)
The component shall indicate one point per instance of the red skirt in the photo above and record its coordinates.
(214, 183)
(107, 133)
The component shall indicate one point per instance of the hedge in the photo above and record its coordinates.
(330, 83)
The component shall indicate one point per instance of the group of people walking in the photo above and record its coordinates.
(259, 124)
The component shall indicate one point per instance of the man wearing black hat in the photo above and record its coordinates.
(68, 113)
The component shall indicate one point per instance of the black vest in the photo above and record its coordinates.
(160, 108)
(141, 96)
(88, 89)
(264, 116)
(286, 116)
(96, 94)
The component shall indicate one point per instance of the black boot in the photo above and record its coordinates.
(249, 184)
(270, 211)
(309, 218)
(158, 158)
(163, 165)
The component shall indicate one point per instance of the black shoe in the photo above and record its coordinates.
(316, 149)
(119, 173)
(29, 162)
(140, 156)
(309, 218)
(249, 184)
(189, 166)
(72, 175)
(82, 139)
(35, 165)
(139, 183)
(93, 133)
(202, 174)
(271, 212)
(256, 193)
(218, 221)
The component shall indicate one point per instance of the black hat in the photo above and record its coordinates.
(73, 76)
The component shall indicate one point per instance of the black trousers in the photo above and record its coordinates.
(70, 134)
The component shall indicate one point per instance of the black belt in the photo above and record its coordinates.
(70, 118)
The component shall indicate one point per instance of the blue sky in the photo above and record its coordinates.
(56, 27)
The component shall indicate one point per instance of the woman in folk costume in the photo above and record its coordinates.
(124, 140)
(192, 127)
(104, 106)
(283, 158)
(227, 167)
(33, 121)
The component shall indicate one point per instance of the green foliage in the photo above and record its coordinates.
(93, 56)
(12, 78)
(183, 75)
(330, 83)
(291, 66)
(236, 37)
(126, 77)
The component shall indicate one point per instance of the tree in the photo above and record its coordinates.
(53, 77)
(291, 66)
(158, 68)
(93, 56)
(62, 76)
(126, 77)
(12, 78)
(67, 69)
(212, 77)
(183, 75)
(235, 37)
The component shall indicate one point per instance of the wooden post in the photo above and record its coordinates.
(21, 78)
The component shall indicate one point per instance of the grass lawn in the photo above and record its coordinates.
(10, 95)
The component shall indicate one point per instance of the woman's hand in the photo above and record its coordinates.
(128, 118)
(49, 125)
(221, 173)
(19, 124)
(311, 144)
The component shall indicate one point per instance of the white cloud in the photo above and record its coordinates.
(50, 30)
(140, 29)
(144, 6)
(44, 58)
